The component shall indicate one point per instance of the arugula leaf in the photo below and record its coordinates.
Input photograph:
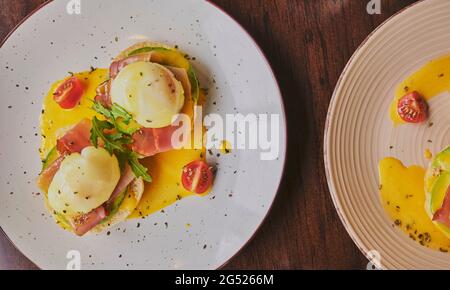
(112, 143)
(97, 130)
(119, 112)
(99, 108)
(123, 160)
(127, 129)
(138, 169)
(195, 91)
(116, 136)
(123, 126)
(122, 120)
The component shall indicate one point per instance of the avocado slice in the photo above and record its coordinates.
(172, 57)
(64, 222)
(439, 192)
(117, 202)
(127, 128)
(51, 157)
(436, 199)
(438, 179)
(439, 165)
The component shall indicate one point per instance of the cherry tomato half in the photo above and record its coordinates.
(197, 177)
(412, 108)
(69, 93)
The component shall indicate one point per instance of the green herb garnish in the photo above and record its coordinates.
(113, 142)
(121, 127)
(138, 169)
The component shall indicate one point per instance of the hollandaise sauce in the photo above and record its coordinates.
(225, 147)
(430, 81)
(165, 168)
(403, 197)
(55, 120)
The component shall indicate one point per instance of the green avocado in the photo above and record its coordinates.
(439, 192)
(51, 157)
(437, 183)
(129, 128)
(439, 165)
(172, 57)
(115, 206)
(64, 222)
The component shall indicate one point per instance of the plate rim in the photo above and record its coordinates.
(283, 110)
(333, 192)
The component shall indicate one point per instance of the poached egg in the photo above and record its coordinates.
(150, 92)
(84, 181)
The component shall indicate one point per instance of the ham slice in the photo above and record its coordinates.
(182, 76)
(125, 179)
(149, 141)
(84, 223)
(76, 139)
(46, 176)
(443, 214)
(118, 65)
(103, 94)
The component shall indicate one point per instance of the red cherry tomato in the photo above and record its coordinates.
(412, 108)
(197, 177)
(69, 93)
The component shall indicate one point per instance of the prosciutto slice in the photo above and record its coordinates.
(76, 139)
(84, 223)
(443, 214)
(103, 94)
(125, 179)
(46, 176)
(148, 141)
(118, 65)
(182, 76)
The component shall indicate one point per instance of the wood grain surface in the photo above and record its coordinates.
(308, 43)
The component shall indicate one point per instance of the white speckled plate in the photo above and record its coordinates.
(359, 131)
(48, 45)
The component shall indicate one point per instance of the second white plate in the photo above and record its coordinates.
(359, 132)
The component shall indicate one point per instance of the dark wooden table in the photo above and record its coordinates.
(308, 43)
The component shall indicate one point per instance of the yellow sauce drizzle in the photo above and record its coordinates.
(430, 81)
(403, 197)
(427, 154)
(54, 119)
(225, 147)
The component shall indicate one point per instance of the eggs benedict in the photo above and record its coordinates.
(100, 127)
(85, 188)
(152, 82)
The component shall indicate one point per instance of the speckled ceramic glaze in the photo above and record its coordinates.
(48, 45)
(359, 132)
